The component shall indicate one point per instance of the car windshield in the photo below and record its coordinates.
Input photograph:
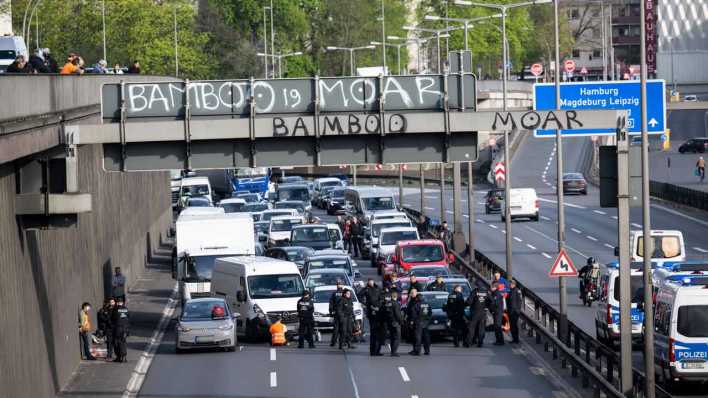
(195, 190)
(233, 207)
(201, 310)
(693, 321)
(376, 228)
(290, 205)
(422, 253)
(329, 263)
(573, 176)
(391, 238)
(429, 271)
(325, 279)
(261, 226)
(199, 268)
(267, 216)
(332, 183)
(382, 203)
(275, 286)
(293, 179)
(249, 197)
(294, 193)
(316, 234)
(8, 54)
(499, 195)
(450, 287)
(664, 247)
(295, 254)
(284, 225)
(198, 202)
(255, 207)
(636, 283)
(337, 194)
(436, 301)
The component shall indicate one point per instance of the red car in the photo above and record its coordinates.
(428, 252)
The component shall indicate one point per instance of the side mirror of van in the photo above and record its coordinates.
(240, 296)
(617, 251)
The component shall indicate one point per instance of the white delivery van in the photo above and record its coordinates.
(363, 202)
(668, 246)
(194, 187)
(280, 227)
(260, 290)
(389, 238)
(681, 330)
(200, 240)
(523, 204)
(371, 238)
(10, 48)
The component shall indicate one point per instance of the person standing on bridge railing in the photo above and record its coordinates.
(514, 306)
(85, 332)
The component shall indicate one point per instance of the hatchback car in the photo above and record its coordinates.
(327, 276)
(323, 319)
(575, 183)
(341, 261)
(694, 145)
(493, 201)
(198, 201)
(206, 323)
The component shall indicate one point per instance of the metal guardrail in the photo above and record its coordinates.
(597, 363)
(677, 194)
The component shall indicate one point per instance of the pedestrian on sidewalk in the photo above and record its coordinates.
(118, 284)
(121, 325)
(701, 168)
(514, 307)
(105, 325)
(85, 332)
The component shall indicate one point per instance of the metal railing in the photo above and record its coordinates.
(597, 364)
(677, 194)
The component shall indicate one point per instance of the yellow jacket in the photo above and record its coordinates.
(85, 325)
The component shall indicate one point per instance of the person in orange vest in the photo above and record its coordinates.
(277, 333)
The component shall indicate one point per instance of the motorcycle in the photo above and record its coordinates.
(590, 292)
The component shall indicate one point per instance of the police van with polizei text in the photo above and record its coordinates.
(607, 318)
(676, 271)
(681, 330)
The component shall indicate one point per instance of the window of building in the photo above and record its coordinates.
(576, 53)
(573, 13)
(596, 12)
(597, 53)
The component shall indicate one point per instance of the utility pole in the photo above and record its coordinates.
(103, 22)
(383, 36)
(400, 185)
(604, 41)
(265, 42)
(442, 192)
(624, 271)
(507, 158)
(272, 36)
(174, 10)
(422, 188)
(649, 379)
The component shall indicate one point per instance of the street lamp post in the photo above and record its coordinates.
(265, 42)
(383, 36)
(398, 50)
(272, 36)
(351, 53)
(103, 22)
(279, 60)
(438, 34)
(466, 23)
(174, 16)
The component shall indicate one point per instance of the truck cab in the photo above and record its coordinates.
(412, 253)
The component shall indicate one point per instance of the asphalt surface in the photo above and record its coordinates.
(590, 230)
(677, 168)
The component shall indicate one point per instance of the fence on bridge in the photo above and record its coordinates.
(596, 363)
(681, 195)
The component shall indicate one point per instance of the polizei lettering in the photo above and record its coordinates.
(349, 124)
(532, 120)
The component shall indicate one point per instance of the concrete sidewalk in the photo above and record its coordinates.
(676, 168)
(146, 301)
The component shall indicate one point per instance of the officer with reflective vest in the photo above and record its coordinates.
(277, 333)
(306, 317)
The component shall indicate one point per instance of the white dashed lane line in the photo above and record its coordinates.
(592, 238)
(635, 225)
(599, 212)
(273, 379)
(480, 221)
(615, 217)
(272, 354)
(517, 239)
(546, 255)
(404, 374)
(609, 246)
(492, 226)
(545, 218)
(698, 249)
(577, 231)
(530, 247)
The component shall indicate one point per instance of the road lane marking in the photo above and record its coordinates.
(429, 208)
(615, 218)
(678, 213)
(404, 374)
(700, 250)
(479, 220)
(545, 255)
(566, 203)
(465, 216)
(272, 354)
(577, 231)
(599, 212)
(492, 226)
(449, 212)
(273, 379)
(141, 368)
(554, 240)
(592, 238)
(609, 246)
(414, 396)
(503, 231)
(517, 239)
(545, 218)
(635, 225)
(530, 247)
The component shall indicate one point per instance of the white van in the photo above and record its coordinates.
(681, 330)
(200, 239)
(10, 48)
(523, 204)
(280, 227)
(363, 202)
(389, 238)
(194, 187)
(668, 246)
(371, 240)
(607, 316)
(260, 290)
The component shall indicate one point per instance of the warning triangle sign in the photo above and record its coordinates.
(563, 266)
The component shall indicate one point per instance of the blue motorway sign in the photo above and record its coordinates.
(605, 95)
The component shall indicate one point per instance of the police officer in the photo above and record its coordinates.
(306, 317)
(392, 320)
(496, 307)
(478, 313)
(513, 306)
(419, 314)
(345, 312)
(438, 285)
(414, 284)
(371, 297)
(333, 307)
(455, 309)
(106, 326)
(121, 325)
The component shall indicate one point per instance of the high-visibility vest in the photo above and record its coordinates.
(277, 334)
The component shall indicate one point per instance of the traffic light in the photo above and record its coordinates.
(608, 176)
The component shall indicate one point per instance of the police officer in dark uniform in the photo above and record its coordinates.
(333, 307)
(455, 309)
(392, 320)
(345, 312)
(513, 306)
(419, 314)
(121, 325)
(106, 326)
(496, 307)
(306, 317)
(478, 313)
(371, 298)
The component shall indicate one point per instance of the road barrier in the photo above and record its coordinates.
(680, 195)
(597, 364)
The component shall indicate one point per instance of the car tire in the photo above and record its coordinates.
(585, 192)
(178, 350)
(701, 149)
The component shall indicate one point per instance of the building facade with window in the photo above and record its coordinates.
(683, 41)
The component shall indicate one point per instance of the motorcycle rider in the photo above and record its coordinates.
(588, 275)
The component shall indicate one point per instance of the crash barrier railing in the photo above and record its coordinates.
(598, 364)
(681, 195)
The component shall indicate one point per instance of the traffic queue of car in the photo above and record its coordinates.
(244, 262)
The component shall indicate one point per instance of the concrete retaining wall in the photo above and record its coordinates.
(47, 274)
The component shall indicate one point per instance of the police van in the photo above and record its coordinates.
(607, 318)
(676, 271)
(681, 330)
(668, 246)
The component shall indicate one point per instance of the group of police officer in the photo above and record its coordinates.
(383, 310)
(113, 325)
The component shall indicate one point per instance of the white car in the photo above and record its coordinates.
(389, 237)
(233, 205)
(280, 228)
(523, 204)
(206, 323)
(321, 296)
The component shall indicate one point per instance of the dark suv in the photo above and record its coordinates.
(493, 201)
(695, 145)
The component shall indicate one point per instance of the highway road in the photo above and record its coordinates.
(257, 370)
(677, 168)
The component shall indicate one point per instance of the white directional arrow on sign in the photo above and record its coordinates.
(653, 122)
